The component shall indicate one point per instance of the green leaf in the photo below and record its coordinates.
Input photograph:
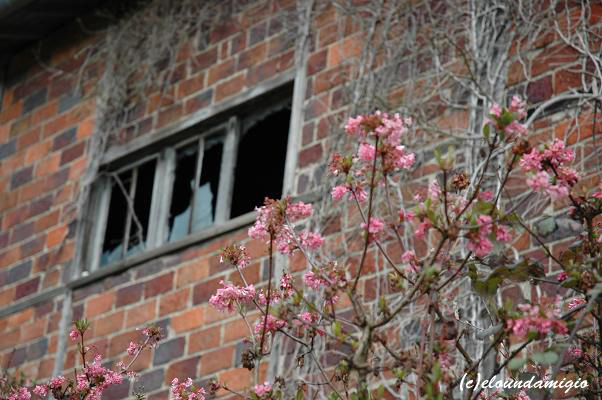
(336, 329)
(486, 132)
(547, 358)
(517, 363)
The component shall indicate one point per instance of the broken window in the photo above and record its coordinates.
(208, 177)
(128, 212)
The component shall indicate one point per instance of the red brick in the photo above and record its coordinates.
(109, 324)
(238, 379)
(252, 56)
(204, 60)
(129, 294)
(221, 71)
(204, 340)
(310, 155)
(217, 360)
(192, 272)
(158, 285)
(230, 87)
(169, 115)
(204, 291)
(188, 320)
(316, 62)
(172, 302)
(141, 315)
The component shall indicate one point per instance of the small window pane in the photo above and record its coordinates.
(181, 201)
(142, 205)
(112, 248)
(206, 195)
(260, 163)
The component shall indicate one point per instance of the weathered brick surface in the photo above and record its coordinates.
(45, 133)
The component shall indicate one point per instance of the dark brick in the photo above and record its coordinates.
(86, 291)
(40, 206)
(37, 350)
(129, 294)
(228, 28)
(310, 155)
(19, 272)
(33, 246)
(27, 288)
(204, 60)
(187, 367)
(72, 153)
(257, 33)
(77, 312)
(158, 285)
(117, 392)
(61, 86)
(3, 239)
(17, 357)
(539, 90)
(169, 350)
(150, 381)
(35, 100)
(162, 396)
(68, 101)
(316, 62)
(116, 280)
(203, 291)
(64, 139)
(21, 232)
(57, 179)
(8, 149)
(21, 177)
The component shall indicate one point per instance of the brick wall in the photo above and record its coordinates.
(45, 132)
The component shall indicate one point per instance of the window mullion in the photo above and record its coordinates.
(197, 178)
(99, 222)
(130, 216)
(226, 178)
(162, 189)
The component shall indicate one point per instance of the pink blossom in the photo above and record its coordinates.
(401, 159)
(406, 216)
(597, 195)
(496, 110)
(561, 277)
(353, 125)
(485, 195)
(310, 240)
(74, 335)
(484, 223)
(286, 285)
(518, 106)
(575, 353)
(186, 390)
(576, 302)
(481, 246)
(271, 325)
(366, 152)
(502, 234)
(516, 128)
(57, 382)
(41, 390)
(540, 319)
(227, 297)
(263, 390)
(20, 394)
(313, 281)
(424, 226)
(338, 192)
(375, 226)
(132, 348)
(308, 317)
(522, 395)
(434, 191)
(235, 255)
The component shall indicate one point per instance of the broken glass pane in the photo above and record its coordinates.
(206, 195)
(112, 247)
(145, 179)
(181, 201)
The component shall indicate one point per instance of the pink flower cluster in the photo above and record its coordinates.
(262, 391)
(186, 390)
(375, 227)
(272, 324)
(479, 242)
(273, 223)
(546, 169)
(516, 111)
(226, 298)
(576, 302)
(539, 320)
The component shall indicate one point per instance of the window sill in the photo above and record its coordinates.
(165, 249)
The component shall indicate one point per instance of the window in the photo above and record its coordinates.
(198, 179)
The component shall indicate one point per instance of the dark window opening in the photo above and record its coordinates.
(260, 163)
(142, 205)
(181, 200)
(112, 247)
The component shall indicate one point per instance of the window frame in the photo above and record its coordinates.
(165, 155)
